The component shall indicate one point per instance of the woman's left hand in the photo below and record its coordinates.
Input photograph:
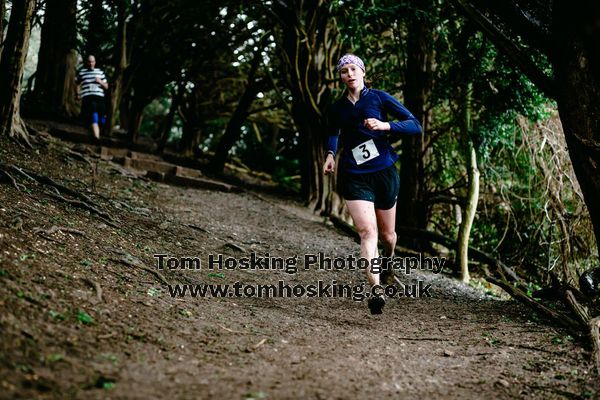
(376, 125)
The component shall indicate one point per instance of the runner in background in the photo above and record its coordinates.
(91, 84)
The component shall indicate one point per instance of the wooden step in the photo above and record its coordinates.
(149, 165)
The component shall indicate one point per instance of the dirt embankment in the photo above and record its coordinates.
(85, 313)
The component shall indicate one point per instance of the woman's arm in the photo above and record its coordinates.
(331, 146)
(333, 130)
(404, 121)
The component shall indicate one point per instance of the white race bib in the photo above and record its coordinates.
(365, 151)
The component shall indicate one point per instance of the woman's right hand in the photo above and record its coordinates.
(329, 165)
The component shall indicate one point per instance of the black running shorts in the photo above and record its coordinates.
(379, 187)
(92, 104)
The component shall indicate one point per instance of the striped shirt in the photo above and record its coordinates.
(87, 79)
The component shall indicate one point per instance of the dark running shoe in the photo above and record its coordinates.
(376, 305)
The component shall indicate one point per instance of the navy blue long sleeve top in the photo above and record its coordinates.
(368, 150)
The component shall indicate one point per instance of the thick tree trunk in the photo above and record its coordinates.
(412, 209)
(116, 93)
(131, 113)
(578, 95)
(167, 123)
(55, 76)
(192, 121)
(311, 157)
(234, 126)
(124, 116)
(14, 52)
(462, 251)
(2, 14)
(136, 114)
(69, 105)
(579, 108)
(308, 39)
(191, 138)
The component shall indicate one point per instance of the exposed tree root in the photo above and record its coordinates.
(55, 229)
(128, 259)
(85, 206)
(567, 322)
(18, 131)
(50, 182)
(595, 337)
(85, 201)
(17, 185)
(198, 228)
(96, 286)
(93, 165)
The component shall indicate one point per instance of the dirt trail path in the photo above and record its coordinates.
(62, 340)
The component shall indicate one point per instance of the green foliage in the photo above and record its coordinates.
(153, 292)
(84, 317)
(56, 315)
(376, 31)
(205, 48)
(55, 357)
(261, 156)
(499, 92)
(512, 220)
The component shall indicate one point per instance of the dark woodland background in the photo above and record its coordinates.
(508, 93)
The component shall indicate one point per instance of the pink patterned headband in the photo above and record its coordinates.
(350, 59)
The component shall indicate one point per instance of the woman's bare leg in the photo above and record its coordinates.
(365, 220)
(386, 224)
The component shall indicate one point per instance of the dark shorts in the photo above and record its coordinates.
(92, 104)
(379, 187)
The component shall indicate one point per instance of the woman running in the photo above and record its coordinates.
(368, 179)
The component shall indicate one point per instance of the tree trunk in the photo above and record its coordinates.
(124, 117)
(234, 126)
(412, 209)
(69, 105)
(116, 93)
(462, 251)
(136, 114)
(167, 123)
(54, 91)
(2, 14)
(275, 131)
(578, 97)
(14, 52)
(190, 140)
(308, 39)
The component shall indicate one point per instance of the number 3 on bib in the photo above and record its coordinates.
(364, 152)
